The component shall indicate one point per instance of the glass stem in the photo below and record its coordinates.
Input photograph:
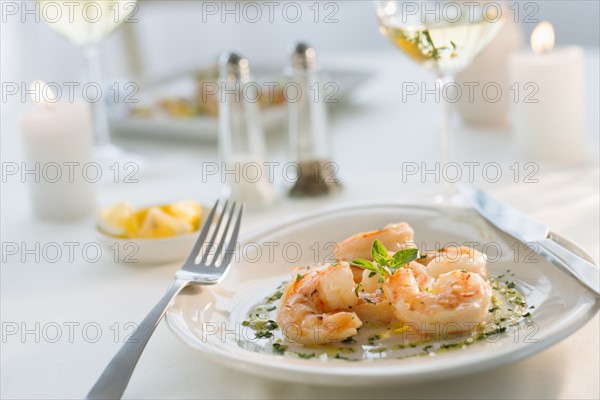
(91, 52)
(447, 137)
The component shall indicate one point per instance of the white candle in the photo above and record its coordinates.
(548, 99)
(58, 145)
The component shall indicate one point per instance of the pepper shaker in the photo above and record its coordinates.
(241, 137)
(308, 138)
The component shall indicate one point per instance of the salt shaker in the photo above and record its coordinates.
(241, 140)
(309, 142)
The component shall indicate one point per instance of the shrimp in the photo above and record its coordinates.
(373, 305)
(394, 237)
(315, 309)
(453, 258)
(456, 301)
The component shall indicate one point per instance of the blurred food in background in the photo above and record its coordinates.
(203, 100)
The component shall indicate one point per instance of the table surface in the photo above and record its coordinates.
(371, 135)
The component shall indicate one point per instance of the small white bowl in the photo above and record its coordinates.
(150, 251)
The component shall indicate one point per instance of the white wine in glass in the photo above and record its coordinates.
(443, 37)
(86, 23)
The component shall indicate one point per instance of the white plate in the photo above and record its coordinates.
(205, 127)
(202, 317)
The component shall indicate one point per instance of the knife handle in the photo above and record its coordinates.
(582, 270)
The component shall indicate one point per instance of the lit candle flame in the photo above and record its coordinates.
(542, 38)
(42, 94)
(390, 8)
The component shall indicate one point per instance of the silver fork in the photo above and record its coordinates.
(116, 375)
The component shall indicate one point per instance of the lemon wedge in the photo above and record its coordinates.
(118, 221)
(140, 216)
(187, 210)
(157, 224)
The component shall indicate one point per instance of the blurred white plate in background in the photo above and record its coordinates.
(205, 127)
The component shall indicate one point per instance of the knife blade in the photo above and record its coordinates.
(532, 233)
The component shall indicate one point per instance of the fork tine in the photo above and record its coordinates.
(224, 237)
(203, 234)
(215, 233)
(232, 241)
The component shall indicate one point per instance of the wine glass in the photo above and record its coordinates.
(443, 36)
(86, 23)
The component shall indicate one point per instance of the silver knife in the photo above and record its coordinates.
(531, 232)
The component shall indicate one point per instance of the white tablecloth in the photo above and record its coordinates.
(372, 135)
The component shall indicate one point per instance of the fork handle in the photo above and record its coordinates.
(116, 375)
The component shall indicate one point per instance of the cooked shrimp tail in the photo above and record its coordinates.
(316, 307)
